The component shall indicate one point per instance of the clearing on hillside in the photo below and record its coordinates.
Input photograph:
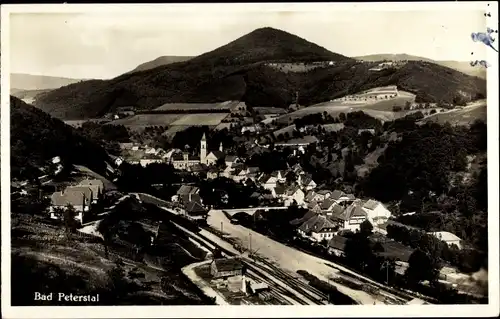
(461, 116)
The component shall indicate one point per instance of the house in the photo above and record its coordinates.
(213, 173)
(328, 204)
(146, 161)
(314, 206)
(230, 159)
(448, 238)
(96, 185)
(297, 142)
(215, 156)
(376, 212)
(294, 194)
(127, 146)
(226, 267)
(279, 191)
(311, 196)
(336, 246)
(318, 228)
(341, 197)
(299, 221)
(151, 150)
(267, 181)
(186, 193)
(239, 175)
(306, 182)
(80, 198)
(198, 168)
(279, 175)
(85, 190)
(195, 209)
(351, 217)
(324, 193)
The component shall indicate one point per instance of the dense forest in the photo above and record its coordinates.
(36, 138)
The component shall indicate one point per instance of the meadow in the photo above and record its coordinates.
(140, 121)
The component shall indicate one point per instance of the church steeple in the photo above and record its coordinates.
(203, 149)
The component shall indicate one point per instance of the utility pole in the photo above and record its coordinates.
(250, 243)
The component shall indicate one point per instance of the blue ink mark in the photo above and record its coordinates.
(484, 37)
(482, 63)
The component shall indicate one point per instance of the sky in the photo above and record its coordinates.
(104, 45)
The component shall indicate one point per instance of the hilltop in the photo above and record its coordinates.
(36, 137)
(160, 61)
(239, 71)
(462, 66)
(24, 82)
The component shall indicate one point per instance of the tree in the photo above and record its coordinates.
(70, 223)
(342, 117)
(366, 228)
(421, 267)
(220, 163)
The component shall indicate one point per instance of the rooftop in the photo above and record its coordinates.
(228, 264)
(187, 189)
(445, 236)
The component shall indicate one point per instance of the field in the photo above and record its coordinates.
(199, 106)
(334, 109)
(210, 119)
(381, 110)
(296, 67)
(464, 116)
(78, 123)
(387, 105)
(140, 121)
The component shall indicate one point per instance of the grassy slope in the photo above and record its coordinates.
(462, 66)
(45, 260)
(160, 61)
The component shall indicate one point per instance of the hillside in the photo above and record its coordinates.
(462, 66)
(36, 137)
(160, 61)
(27, 96)
(19, 81)
(237, 71)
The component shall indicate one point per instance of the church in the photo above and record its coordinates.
(182, 160)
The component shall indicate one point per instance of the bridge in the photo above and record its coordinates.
(250, 211)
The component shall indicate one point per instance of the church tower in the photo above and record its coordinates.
(203, 150)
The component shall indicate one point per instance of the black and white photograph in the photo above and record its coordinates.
(322, 154)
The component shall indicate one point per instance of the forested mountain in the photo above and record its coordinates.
(238, 71)
(36, 137)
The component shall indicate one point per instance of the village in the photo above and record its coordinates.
(330, 214)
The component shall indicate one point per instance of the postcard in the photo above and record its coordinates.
(234, 160)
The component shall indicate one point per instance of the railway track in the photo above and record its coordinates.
(291, 282)
(314, 295)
